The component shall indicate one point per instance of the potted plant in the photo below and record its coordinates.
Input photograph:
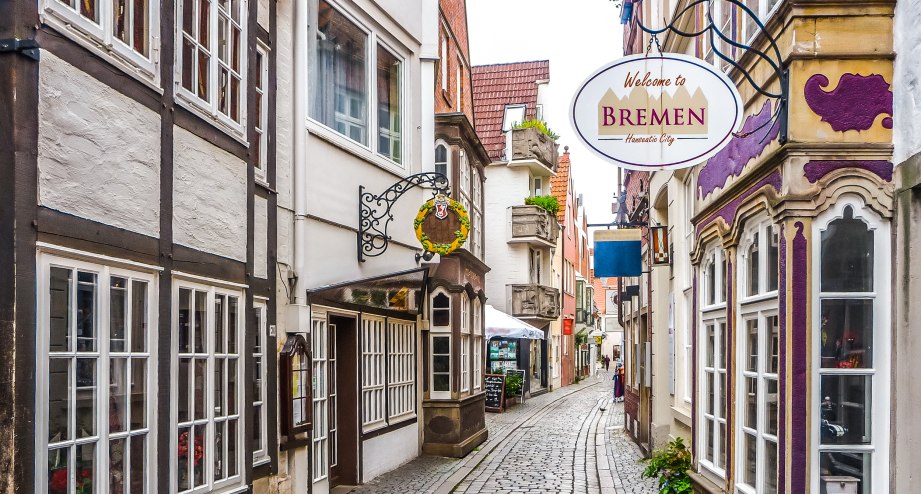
(513, 383)
(549, 204)
(671, 465)
(539, 125)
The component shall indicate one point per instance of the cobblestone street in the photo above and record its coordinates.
(567, 441)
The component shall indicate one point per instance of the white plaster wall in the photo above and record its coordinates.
(384, 453)
(209, 197)
(261, 238)
(262, 14)
(98, 150)
(505, 187)
(906, 84)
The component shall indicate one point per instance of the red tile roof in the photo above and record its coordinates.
(559, 185)
(495, 86)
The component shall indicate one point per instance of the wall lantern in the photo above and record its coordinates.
(294, 366)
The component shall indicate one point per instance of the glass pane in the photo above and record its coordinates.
(138, 316)
(753, 266)
(219, 305)
(389, 88)
(219, 409)
(772, 259)
(770, 467)
(59, 399)
(847, 255)
(721, 377)
(721, 461)
(751, 402)
(58, 471)
(257, 428)
(338, 83)
(441, 363)
(773, 323)
(709, 404)
(204, 22)
(183, 472)
(138, 394)
(86, 312)
(60, 280)
(183, 399)
(204, 73)
(138, 460)
(199, 388)
(200, 336)
(721, 343)
(85, 482)
(118, 394)
(188, 61)
(847, 334)
(722, 280)
(844, 471)
(118, 310)
(88, 10)
(184, 320)
(86, 397)
(711, 344)
(441, 345)
(141, 31)
(440, 382)
(232, 456)
(751, 330)
(219, 434)
(711, 442)
(845, 409)
(231, 386)
(232, 328)
(771, 408)
(711, 283)
(117, 473)
(749, 467)
(199, 455)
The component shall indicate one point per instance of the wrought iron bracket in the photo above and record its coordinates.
(713, 34)
(27, 47)
(374, 211)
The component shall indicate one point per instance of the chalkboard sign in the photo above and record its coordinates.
(495, 392)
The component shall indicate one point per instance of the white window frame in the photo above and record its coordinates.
(373, 369)
(369, 151)
(441, 142)
(210, 288)
(465, 363)
(319, 343)
(440, 395)
(260, 309)
(715, 315)
(478, 344)
(112, 267)
(101, 39)
(209, 109)
(538, 187)
(262, 134)
(506, 122)
(688, 351)
(880, 372)
(401, 370)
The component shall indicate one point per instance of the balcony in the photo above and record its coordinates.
(534, 225)
(532, 148)
(534, 301)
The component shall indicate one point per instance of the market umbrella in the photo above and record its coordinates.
(500, 324)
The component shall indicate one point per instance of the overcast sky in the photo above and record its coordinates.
(578, 37)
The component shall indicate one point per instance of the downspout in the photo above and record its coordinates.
(299, 172)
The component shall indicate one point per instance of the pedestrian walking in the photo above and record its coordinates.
(607, 363)
(619, 382)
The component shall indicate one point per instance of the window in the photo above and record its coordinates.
(538, 187)
(441, 310)
(758, 406)
(535, 266)
(539, 112)
(262, 110)
(852, 347)
(209, 422)
(401, 369)
(477, 234)
(260, 413)
(477, 344)
(318, 349)
(760, 255)
(341, 91)
(126, 28)
(441, 366)
(712, 405)
(477, 189)
(464, 175)
(94, 328)
(211, 58)
(441, 160)
(465, 363)
(514, 114)
(372, 381)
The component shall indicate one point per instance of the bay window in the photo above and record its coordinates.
(209, 391)
(260, 399)
(478, 344)
(440, 345)
(341, 90)
(851, 344)
(211, 59)
(94, 426)
(712, 405)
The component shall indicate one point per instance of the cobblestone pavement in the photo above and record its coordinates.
(568, 441)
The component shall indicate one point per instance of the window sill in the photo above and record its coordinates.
(187, 102)
(356, 149)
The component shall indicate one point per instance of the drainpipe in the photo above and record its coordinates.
(299, 128)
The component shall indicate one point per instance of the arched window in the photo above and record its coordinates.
(441, 310)
(441, 160)
(851, 385)
(440, 346)
(712, 356)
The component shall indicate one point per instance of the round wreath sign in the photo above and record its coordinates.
(441, 207)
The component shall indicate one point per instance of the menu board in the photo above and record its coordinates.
(495, 392)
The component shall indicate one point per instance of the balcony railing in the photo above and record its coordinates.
(532, 144)
(535, 225)
(535, 301)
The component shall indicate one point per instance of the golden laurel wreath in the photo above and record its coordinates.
(460, 236)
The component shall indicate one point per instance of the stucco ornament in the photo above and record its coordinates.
(854, 104)
(443, 208)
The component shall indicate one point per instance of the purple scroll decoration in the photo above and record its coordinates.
(730, 161)
(854, 104)
(816, 169)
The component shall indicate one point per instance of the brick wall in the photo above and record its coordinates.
(453, 28)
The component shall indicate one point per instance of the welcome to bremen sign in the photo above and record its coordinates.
(657, 113)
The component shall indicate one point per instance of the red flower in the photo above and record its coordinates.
(58, 481)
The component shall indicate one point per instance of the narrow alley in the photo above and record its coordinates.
(581, 448)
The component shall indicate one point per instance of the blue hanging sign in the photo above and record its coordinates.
(618, 252)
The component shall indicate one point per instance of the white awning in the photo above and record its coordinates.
(501, 325)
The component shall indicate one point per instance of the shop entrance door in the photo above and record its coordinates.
(343, 400)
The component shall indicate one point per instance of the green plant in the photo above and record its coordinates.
(671, 465)
(547, 203)
(581, 337)
(539, 125)
(513, 382)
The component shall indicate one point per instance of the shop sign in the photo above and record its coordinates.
(567, 327)
(657, 113)
(618, 252)
(442, 225)
(661, 253)
(598, 340)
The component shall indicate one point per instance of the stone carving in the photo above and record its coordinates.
(535, 301)
(531, 143)
(534, 222)
(815, 170)
(854, 104)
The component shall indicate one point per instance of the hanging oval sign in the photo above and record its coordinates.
(657, 113)
(442, 225)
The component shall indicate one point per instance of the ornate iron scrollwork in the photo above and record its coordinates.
(374, 214)
(713, 32)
